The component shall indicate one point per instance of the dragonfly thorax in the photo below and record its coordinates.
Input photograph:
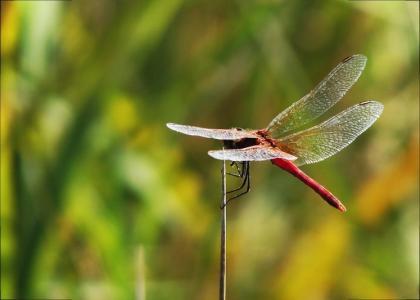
(239, 144)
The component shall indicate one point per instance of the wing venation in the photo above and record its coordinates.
(218, 134)
(326, 139)
(327, 93)
(253, 153)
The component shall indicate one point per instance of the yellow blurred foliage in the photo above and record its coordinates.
(188, 206)
(122, 114)
(388, 188)
(363, 284)
(310, 269)
(9, 28)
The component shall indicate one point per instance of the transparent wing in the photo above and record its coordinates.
(326, 139)
(253, 153)
(328, 92)
(218, 134)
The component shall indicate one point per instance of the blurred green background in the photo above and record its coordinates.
(99, 200)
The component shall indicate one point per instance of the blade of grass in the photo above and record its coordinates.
(222, 286)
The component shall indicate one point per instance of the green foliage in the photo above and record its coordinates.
(100, 201)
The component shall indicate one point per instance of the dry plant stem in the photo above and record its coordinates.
(222, 286)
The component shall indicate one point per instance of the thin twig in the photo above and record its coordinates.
(222, 286)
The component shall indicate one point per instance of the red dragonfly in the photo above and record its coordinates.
(289, 151)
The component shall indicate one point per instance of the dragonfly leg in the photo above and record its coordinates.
(233, 163)
(244, 174)
(239, 173)
(248, 188)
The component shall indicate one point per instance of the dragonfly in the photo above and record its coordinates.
(287, 149)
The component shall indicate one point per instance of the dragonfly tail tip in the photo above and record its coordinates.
(342, 208)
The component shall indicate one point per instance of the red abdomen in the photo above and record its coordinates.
(319, 189)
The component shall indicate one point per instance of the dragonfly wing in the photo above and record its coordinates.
(218, 134)
(253, 153)
(327, 93)
(320, 142)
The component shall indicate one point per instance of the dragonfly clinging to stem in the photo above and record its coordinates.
(291, 150)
